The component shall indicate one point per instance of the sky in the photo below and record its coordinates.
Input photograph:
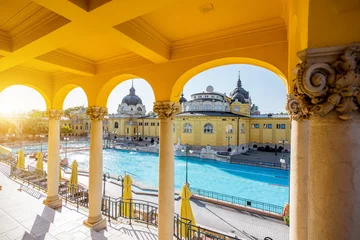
(266, 90)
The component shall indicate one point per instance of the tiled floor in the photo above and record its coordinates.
(23, 216)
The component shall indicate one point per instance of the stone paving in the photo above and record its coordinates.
(23, 216)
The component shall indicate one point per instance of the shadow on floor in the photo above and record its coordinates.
(138, 234)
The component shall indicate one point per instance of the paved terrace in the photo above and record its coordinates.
(23, 216)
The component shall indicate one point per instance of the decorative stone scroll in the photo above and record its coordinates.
(327, 80)
(166, 110)
(97, 113)
(54, 114)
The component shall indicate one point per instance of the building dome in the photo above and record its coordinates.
(182, 99)
(132, 99)
(239, 96)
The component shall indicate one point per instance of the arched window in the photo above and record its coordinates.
(218, 108)
(123, 108)
(139, 109)
(187, 128)
(229, 129)
(116, 125)
(242, 130)
(207, 107)
(208, 128)
(86, 126)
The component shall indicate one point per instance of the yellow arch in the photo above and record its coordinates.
(39, 90)
(61, 94)
(184, 78)
(107, 88)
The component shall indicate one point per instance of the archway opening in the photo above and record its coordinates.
(22, 114)
(234, 109)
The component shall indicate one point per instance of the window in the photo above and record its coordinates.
(218, 108)
(86, 126)
(208, 128)
(139, 109)
(229, 129)
(116, 125)
(207, 107)
(268, 126)
(80, 127)
(77, 128)
(280, 126)
(152, 124)
(127, 130)
(140, 123)
(146, 124)
(158, 124)
(254, 125)
(135, 130)
(187, 128)
(242, 129)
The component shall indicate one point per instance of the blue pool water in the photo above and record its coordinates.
(255, 183)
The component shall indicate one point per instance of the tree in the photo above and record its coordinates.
(151, 113)
(69, 111)
(34, 126)
(65, 129)
(6, 126)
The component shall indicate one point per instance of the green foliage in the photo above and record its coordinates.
(65, 129)
(287, 220)
(151, 113)
(6, 126)
(35, 126)
(37, 114)
(68, 111)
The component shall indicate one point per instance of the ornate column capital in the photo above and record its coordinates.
(327, 79)
(166, 110)
(96, 113)
(54, 114)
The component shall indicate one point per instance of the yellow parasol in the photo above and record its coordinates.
(21, 159)
(39, 161)
(74, 174)
(186, 213)
(127, 196)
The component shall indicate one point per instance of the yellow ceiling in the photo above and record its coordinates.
(10, 8)
(41, 66)
(184, 19)
(96, 48)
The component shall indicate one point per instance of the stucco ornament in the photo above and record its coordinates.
(96, 113)
(322, 87)
(166, 110)
(54, 114)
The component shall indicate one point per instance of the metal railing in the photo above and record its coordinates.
(259, 163)
(114, 208)
(248, 203)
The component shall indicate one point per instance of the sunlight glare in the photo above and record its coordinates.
(19, 99)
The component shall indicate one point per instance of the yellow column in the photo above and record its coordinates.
(166, 113)
(95, 220)
(53, 200)
(327, 92)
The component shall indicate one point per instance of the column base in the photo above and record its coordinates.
(97, 226)
(53, 202)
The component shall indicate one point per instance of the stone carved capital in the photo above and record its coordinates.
(54, 114)
(326, 81)
(96, 113)
(166, 110)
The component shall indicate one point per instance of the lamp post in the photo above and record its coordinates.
(283, 141)
(228, 138)
(41, 136)
(187, 150)
(66, 139)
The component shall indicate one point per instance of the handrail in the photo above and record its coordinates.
(244, 202)
(259, 163)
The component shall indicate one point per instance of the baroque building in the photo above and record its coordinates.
(209, 118)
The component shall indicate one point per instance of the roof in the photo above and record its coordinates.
(270, 116)
(210, 114)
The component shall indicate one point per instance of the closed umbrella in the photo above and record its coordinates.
(39, 161)
(127, 196)
(74, 174)
(21, 159)
(186, 213)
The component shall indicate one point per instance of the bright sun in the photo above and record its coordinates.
(6, 108)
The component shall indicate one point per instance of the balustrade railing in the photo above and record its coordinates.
(260, 163)
(266, 207)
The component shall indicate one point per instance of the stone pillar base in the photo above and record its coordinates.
(97, 226)
(53, 202)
